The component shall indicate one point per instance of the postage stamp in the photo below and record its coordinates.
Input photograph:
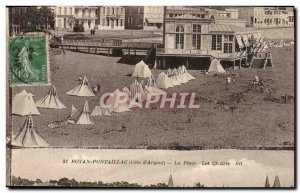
(28, 60)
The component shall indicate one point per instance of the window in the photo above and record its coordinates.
(113, 11)
(65, 11)
(196, 41)
(228, 43)
(117, 22)
(216, 42)
(197, 28)
(121, 22)
(228, 38)
(59, 10)
(179, 37)
(107, 22)
(227, 47)
(103, 10)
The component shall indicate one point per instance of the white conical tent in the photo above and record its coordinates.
(100, 111)
(215, 67)
(141, 70)
(155, 89)
(163, 81)
(24, 105)
(84, 118)
(187, 75)
(150, 88)
(82, 89)
(181, 75)
(170, 72)
(175, 80)
(51, 100)
(28, 136)
(117, 106)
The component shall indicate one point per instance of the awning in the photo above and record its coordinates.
(255, 36)
(239, 41)
(154, 20)
(245, 39)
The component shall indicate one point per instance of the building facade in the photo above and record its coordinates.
(190, 34)
(111, 18)
(86, 16)
(153, 17)
(134, 17)
(64, 17)
(247, 13)
(16, 25)
(227, 17)
(272, 17)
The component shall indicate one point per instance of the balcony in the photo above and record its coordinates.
(86, 16)
(193, 53)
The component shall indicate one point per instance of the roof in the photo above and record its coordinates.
(187, 16)
(220, 28)
(154, 20)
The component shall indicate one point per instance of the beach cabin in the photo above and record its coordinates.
(192, 38)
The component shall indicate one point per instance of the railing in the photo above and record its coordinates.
(163, 51)
(109, 43)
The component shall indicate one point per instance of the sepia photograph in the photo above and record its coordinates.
(150, 96)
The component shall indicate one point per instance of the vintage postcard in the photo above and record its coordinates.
(151, 96)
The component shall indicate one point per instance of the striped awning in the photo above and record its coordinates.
(239, 41)
(245, 39)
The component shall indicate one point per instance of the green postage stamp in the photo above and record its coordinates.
(28, 60)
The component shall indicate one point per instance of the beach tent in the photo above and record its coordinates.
(82, 89)
(150, 89)
(126, 90)
(100, 111)
(177, 75)
(175, 80)
(169, 72)
(163, 81)
(152, 83)
(84, 118)
(114, 106)
(187, 74)
(141, 70)
(28, 136)
(137, 90)
(181, 75)
(23, 104)
(276, 182)
(50, 100)
(170, 182)
(215, 67)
